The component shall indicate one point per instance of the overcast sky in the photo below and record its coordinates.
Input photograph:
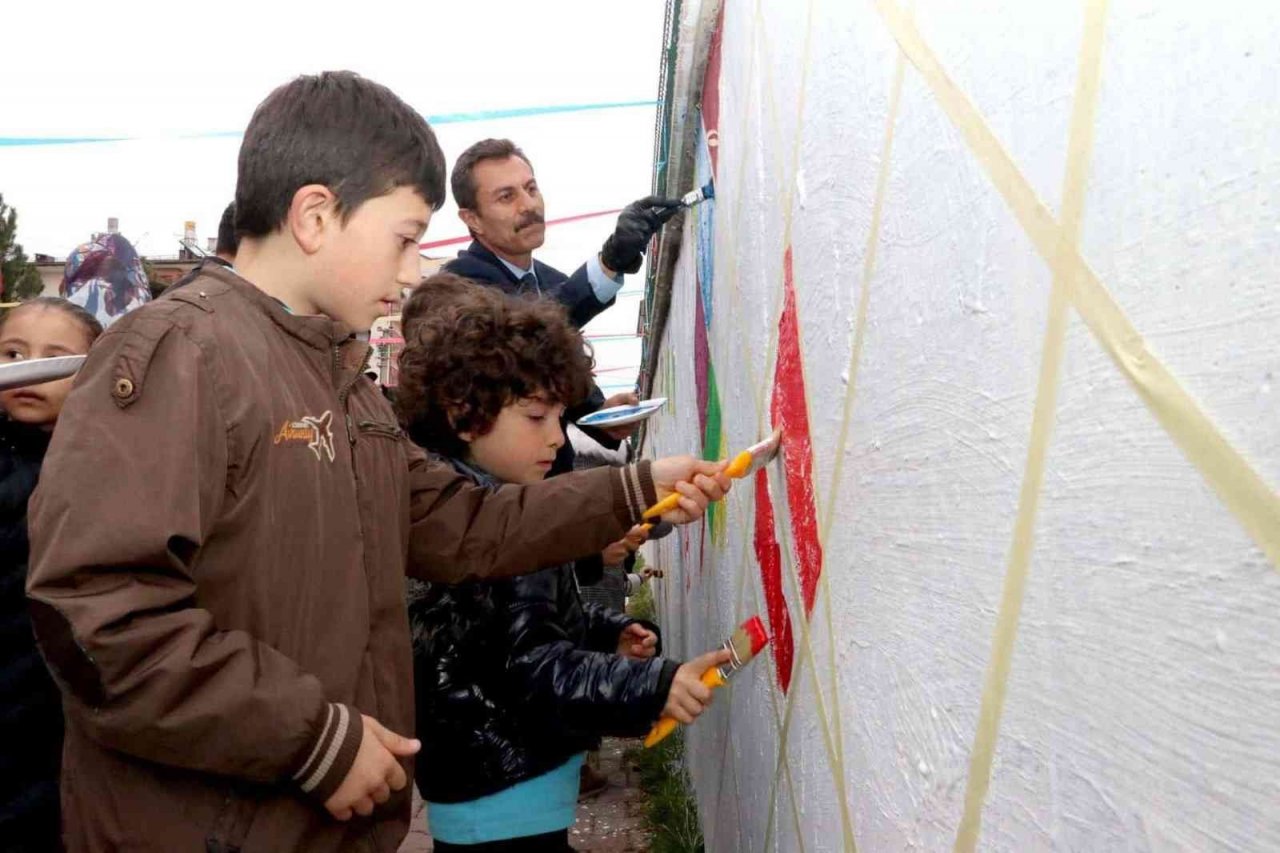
(163, 73)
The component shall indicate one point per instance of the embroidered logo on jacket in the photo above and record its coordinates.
(317, 432)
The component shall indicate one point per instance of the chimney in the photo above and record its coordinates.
(113, 225)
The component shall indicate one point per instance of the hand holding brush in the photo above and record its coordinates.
(744, 464)
(686, 701)
(690, 694)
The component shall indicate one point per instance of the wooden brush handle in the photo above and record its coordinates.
(712, 678)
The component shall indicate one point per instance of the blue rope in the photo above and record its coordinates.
(443, 118)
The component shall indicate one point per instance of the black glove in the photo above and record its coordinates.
(638, 222)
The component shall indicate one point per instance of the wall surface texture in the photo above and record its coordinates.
(1006, 274)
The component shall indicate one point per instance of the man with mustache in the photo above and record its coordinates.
(499, 200)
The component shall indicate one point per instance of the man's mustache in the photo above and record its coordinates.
(532, 219)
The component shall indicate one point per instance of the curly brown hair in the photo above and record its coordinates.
(470, 350)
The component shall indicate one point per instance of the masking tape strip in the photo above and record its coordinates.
(864, 297)
(835, 758)
(806, 648)
(744, 580)
(835, 753)
(781, 721)
(759, 389)
(823, 718)
(873, 239)
(784, 767)
(1079, 149)
(1240, 487)
(855, 359)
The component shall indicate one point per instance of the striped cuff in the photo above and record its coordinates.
(333, 754)
(634, 491)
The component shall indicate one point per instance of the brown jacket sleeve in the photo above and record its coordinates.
(131, 488)
(460, 530)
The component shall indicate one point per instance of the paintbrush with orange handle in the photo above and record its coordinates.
(744, 645)
(744, 464)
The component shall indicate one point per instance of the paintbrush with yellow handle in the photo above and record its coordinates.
(744, 464)
(744, 645)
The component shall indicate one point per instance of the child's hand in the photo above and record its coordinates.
(615, 554)
(637, 642)
(637, 536)
(689, 697)
(618, 552)
(375, 773)
(620, 433)
(698, 482)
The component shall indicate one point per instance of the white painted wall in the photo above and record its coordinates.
(1144, 694)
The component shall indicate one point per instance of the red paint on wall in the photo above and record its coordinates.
(790, 411)
(769, 556)
(711, 94)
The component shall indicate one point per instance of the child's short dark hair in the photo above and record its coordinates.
(352, 135)
(470, 350)
(92, 327)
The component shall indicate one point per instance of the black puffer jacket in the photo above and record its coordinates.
(30, 708)
(514, 677)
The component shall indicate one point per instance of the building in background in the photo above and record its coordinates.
(162, 270)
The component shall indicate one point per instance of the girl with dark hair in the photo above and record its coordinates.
(30, 756)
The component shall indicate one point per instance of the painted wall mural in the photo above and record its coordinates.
(1004, 274)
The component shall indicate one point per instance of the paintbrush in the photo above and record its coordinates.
(744, 464)
(744, 645)
(698, 196)
(688, 200)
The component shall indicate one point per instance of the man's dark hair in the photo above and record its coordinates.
(228, 242)
(352, 135)
(470, 350)
(463, 181)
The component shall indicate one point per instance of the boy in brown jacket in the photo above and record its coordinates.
(220, 535)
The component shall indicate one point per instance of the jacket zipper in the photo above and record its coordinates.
(345, 392)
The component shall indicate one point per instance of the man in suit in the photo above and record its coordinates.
(499, 200)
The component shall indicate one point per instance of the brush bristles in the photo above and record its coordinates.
(747, 642)
(699, 195)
